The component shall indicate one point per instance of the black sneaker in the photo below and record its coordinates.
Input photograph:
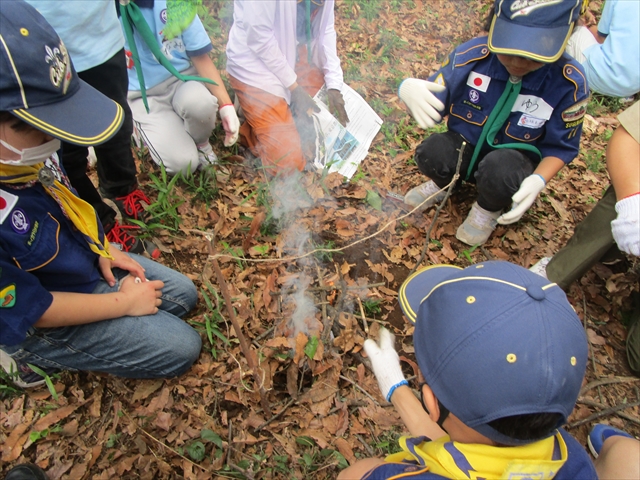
(26, 471)
(21, 374)
(133, 204)
(121, 237)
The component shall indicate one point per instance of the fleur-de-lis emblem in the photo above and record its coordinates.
(59, 70)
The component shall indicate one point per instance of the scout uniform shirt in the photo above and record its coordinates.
(547, 114)
(40, 251)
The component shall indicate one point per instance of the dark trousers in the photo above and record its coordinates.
(116, 166)
(592, 241)
(497, 174)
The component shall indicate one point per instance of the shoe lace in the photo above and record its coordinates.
(120, 234)
(132, 203)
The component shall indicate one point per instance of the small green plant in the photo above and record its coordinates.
(467, 253)
(213, 319)
(313, 458)
(601, 105)
(165, 209)
(202, 184)
(47, 380)
(35, 436)
(371, 306)
(325, 256)
(593, 160)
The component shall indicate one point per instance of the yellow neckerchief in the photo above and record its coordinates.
(79, 212)
(472, 460)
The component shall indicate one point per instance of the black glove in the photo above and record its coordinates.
(336, 106)
(301, 103)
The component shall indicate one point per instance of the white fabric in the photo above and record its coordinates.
(579, 41)
(423, 104)
(89, 29)
(262, 45)
(529, 190)
(230, 123)
(181, 115)
(626, 227)
(385, 362)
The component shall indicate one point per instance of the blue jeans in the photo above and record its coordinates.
(151, 346)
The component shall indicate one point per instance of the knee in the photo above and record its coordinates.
(433, 156)
(184, 351)
(194, 102)
(184, 163)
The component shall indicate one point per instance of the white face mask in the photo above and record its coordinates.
(32, 155)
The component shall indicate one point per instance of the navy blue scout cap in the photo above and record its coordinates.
(536, 29)
(495, 340)
(39, 85)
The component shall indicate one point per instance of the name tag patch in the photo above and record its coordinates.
(529, 121)
(532, 105)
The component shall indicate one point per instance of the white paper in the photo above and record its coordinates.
(338, 148)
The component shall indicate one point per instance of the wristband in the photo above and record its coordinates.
(543, 180)
(629, 196)
(393, 389)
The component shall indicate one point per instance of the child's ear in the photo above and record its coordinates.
(430, 402)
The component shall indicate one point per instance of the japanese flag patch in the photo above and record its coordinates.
(478, 81)
(7, 202)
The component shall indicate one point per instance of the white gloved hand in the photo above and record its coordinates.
(626, 228)
(230, 123)
(523, 198)
(385, 363)
(423, 104)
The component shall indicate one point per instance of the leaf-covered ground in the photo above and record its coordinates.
(306, 314)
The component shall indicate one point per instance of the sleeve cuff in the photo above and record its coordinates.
(393, 389)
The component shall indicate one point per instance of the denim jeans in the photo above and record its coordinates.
(151, 346)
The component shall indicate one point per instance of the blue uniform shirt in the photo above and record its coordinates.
(547, 114)
(40, 252)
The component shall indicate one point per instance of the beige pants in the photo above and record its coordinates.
(181, 116)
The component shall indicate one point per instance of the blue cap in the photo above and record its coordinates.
(495, 340)
(535, 29)
(39, 85)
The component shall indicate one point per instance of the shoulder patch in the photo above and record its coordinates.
(7, 202)
(471, 54)
(440, 80)
(8, 296)
(575, 75)
(575, 112)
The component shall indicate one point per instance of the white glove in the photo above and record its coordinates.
(626, 228)
(385, 363)
(523, 199)
(424, 105)
(230, 123)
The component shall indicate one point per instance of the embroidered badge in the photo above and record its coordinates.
(525, 7)
(59, 71)
(8, 296)
(474, 96)
(575, 112)
(19, 221)
(7, 202)
(478, 81)
(530, 121)
(440, 80)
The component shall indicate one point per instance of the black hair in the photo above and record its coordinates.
(529, 426)
(14, 122)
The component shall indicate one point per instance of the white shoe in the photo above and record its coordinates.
(478, 226)
(419, 194)
(541, 267)
(206, 157)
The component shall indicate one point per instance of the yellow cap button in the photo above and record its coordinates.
(511, 358)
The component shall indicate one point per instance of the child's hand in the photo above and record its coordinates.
(120, 260)
(385, 363)
(230, 123)
(143, 297)
(423, 104)
(626, 227)
(523, 199)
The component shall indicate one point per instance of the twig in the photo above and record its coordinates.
(363, 318)
(607, 381)
(229, 442)
(591, 354)
(603, 413)
(366, 446)
(442, 204)
(368, 319)
(626, 416)
(244, 346)
(360, 388)
(277, 415)
(264, 334)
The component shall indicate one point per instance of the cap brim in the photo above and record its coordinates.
(85, 118)
(541, 44)
(417, 287)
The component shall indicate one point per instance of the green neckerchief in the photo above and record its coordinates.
(132, 16)
(498, 116)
